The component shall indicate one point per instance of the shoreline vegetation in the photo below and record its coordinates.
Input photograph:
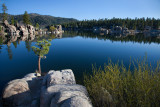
(115, 85)
(131, 24)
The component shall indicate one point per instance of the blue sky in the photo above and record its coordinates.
(86, 9)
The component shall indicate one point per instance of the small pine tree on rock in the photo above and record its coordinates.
(41, 50)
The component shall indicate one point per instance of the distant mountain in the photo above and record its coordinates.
(42, 20)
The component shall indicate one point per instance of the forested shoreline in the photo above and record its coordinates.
(134, 24)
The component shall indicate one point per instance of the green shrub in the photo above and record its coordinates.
(115, 85)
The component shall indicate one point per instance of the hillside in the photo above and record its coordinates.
(43, 20)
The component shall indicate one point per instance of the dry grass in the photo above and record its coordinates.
(117, 86)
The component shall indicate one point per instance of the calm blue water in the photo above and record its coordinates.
(76, 52)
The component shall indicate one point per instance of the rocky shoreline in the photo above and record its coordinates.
(23, 30)
(55, 89)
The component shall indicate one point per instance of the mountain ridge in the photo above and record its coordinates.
(42, 20)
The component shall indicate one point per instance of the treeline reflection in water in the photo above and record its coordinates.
(8, 40)
(140, 38)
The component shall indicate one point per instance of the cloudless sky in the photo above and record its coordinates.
(86, 9)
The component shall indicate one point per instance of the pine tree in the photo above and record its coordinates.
(41, 50)
(26, 18)
(12, 21)
(4, 9)
(37, 25)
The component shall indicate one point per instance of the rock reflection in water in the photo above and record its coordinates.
(15, 39)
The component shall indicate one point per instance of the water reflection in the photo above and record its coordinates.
(76, 51)
(140, 38)
(145, 38)
(0, 48)
(8, 40)
(28, 45)
(15, 44)
(10, 54)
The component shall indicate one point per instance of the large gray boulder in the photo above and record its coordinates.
(55, 95)
(55, 89)
(6, 23)
(17, 93)
(23, 92)
(59, 88)
(70, 98)
(76, 101)
(11, 29)
(35, 84)
(31, 29)
(60, 77)
(59, 27)
(23, 30)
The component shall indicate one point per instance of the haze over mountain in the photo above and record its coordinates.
(42, 20)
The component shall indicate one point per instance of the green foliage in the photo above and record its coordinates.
(0, 28)
(15, 22)
(42, 49)
(10, 54)
(37, 25)
(26, 18)
(116, 86)
(12, 21)
(1, 40)
(42, 20)
(4, 9)
(28, 45)
(140, 38)
(15, 44)
(52, 28)
(137, 23)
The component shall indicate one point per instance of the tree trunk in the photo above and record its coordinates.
(39, 65)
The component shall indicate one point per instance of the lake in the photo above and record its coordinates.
(76, 51)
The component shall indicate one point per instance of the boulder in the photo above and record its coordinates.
(61, 77)
(6, 23)
(12, 30)
(13, 38)
(55, 89)
(53, 94)
(30, 76)
(76, 101)
(23, 30)
(16, 93)
(59, 27)
(17, 32)
(63, 96)
(31, 29)
(35, 84)
(59, 35)
(17, 25)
